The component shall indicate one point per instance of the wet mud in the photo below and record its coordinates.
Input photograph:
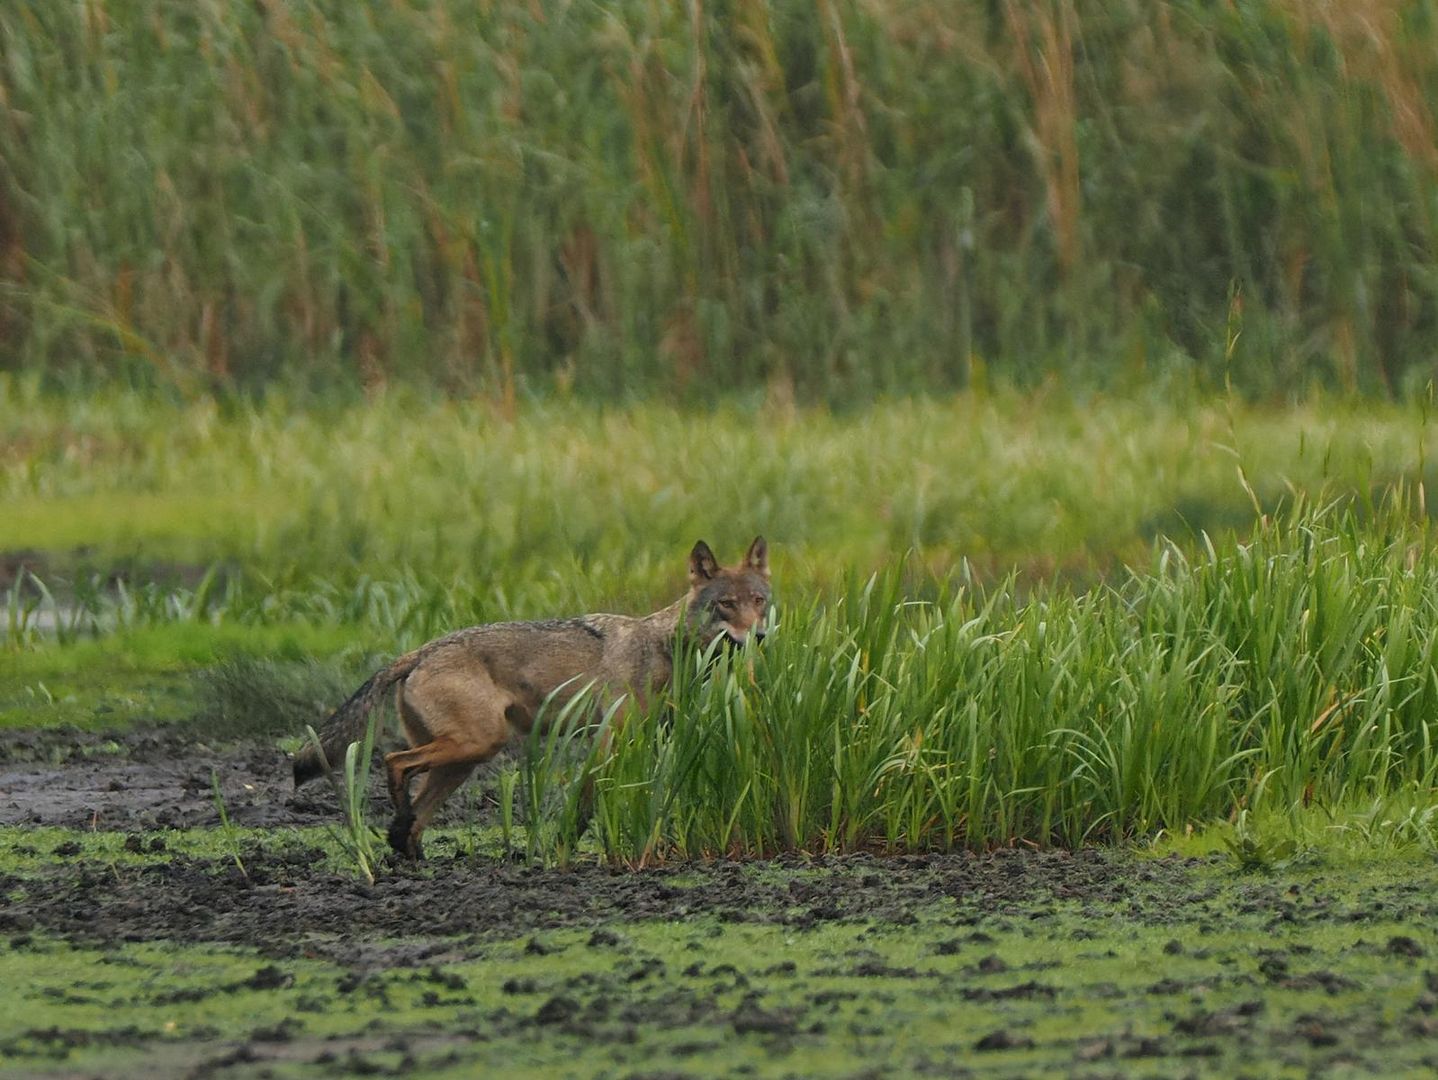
(285, 903)
(159, 779)
(589, 993)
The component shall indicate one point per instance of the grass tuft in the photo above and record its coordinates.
(245, 697)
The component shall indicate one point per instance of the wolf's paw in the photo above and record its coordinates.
(403, 840)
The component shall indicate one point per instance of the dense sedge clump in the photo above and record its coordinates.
(1293, 669)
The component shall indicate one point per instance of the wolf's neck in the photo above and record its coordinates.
(666, 620)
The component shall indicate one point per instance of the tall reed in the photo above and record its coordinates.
(829, 200)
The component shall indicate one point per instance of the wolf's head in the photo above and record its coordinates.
(729, 601)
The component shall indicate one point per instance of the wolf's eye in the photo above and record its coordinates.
(758, 601)
(726, 604)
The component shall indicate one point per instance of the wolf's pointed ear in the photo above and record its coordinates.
(757, 557)
(702, 564)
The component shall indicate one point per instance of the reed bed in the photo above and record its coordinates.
(826, 202)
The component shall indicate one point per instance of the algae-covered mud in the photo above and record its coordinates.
(132, 944)
(1006, 965)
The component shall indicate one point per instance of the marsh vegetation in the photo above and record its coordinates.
(1075, 360)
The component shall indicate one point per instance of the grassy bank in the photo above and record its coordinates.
(833, 200)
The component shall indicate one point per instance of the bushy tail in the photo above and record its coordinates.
(347, 723)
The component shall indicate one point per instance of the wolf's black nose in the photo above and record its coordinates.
(759, 635)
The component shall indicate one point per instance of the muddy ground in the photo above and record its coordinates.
(157, 779)
(285, 905)
(163, 780)
(1014, 963)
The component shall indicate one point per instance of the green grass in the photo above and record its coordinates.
(166, 673)
(831, 201)
(575, 508)
(30, 849)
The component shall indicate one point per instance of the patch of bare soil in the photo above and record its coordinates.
(1283, 1004)
(148, 780)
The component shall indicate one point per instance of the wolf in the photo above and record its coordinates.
(461, 698)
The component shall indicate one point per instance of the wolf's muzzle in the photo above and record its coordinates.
(756, 636)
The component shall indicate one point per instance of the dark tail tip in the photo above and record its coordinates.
(306, 769)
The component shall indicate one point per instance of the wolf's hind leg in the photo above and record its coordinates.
(446, 763)
(459, 713)
(399, 769)
(438, 784)
(416, 733)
